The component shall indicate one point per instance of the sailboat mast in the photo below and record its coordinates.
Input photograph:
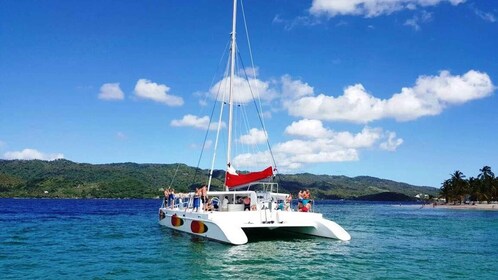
(232, 75)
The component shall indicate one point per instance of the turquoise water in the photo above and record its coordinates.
(120, 239)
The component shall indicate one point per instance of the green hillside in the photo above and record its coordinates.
(66, 179)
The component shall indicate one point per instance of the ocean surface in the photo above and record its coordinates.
(121, 239)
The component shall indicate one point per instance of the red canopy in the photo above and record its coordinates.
(235, 180)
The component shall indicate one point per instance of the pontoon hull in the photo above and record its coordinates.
(231, 227)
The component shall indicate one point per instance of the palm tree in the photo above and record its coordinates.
(475, 188)
(460, 186)
(488, 183)
(446, 190)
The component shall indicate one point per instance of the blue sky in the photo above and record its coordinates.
(402, 90)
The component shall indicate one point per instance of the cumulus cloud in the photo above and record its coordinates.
(28, 154)
(314, 143)
(254, 137)
(156, 92)
(111, 91)
(196, 122)
(245, 90)
(370, 8)
(391, 143)
(293, 89)
(429, 96)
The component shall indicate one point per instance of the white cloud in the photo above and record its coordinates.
(355, 105)
(416, 20)
(2, 144)
(430, 96)
(293, 89)
(391, 143)
(484, 15)
(249, 71)
(156, 92)
(28, 154)
(307, 128)
(196, 122)
(111, 91)
(254, 137)
(298, 21)
(244, 91)
(314, 143)
(370, 8)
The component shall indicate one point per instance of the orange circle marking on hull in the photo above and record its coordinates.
(176, 221)
(198, 227)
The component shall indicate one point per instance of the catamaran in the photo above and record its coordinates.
(250, 202)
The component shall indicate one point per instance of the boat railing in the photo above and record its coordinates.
(265, 200)
(180, 202)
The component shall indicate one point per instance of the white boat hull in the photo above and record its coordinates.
(230, 227)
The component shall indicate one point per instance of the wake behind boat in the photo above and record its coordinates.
(250, 201)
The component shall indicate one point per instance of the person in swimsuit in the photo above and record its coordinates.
(166, 195)
(204, 197)
(196, 200)
(300, 200)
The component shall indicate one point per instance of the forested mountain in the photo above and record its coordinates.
(66, 179)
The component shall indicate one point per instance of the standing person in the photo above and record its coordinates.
(224, 204)
(204, 197)
(196, 200)
(180, 201)
(305, 200)
(166, 195)
(171, 199)
(307, 195)
(300, 200)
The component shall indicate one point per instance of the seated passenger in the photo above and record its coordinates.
(280, 205)
(304, 208)
(247, 203)
(215, 203)
(288, 201)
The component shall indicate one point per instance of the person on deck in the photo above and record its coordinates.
(196, 200)
(204, 197)
(300, 200)
(247, 203)
(224, 204)
(180, 200)
(166, 195)
(288, 201)
(171, 199)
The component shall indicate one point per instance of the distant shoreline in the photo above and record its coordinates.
(491, 207)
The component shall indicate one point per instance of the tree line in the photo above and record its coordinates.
(458, 189)
(66, 179)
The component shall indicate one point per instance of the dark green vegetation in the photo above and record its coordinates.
(66, 179)
(483, 188)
